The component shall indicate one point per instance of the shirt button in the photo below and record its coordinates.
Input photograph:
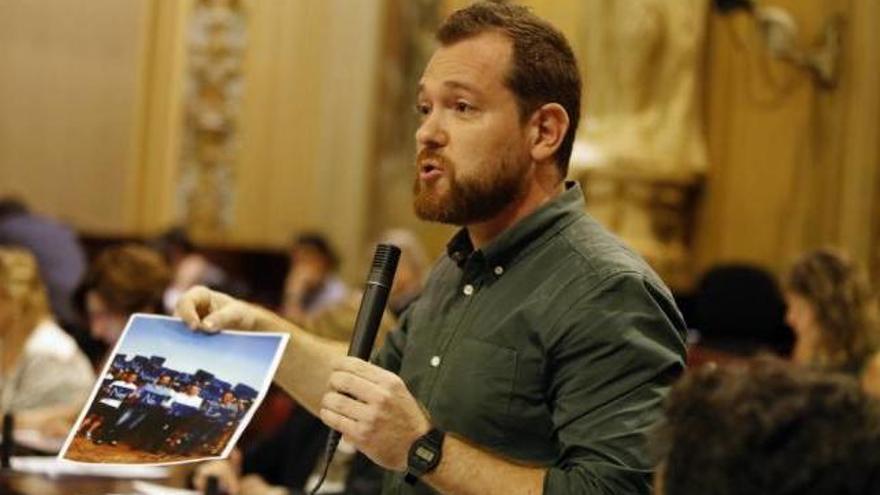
(499, 270)
(468, 289)
(435, 361)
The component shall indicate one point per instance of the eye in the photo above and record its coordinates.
(463, 107)
(423, 109)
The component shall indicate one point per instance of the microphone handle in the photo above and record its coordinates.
(369, 317)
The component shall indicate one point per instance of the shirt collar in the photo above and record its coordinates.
(548, 219)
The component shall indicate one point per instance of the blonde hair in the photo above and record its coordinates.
(22, 288)
(844, 306)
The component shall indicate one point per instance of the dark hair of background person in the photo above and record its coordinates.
(10, 206)
(739, 309)
(543, 68)
(128, 278)
(319, 243)
(174, 241)
(768, 428)
(843, 304)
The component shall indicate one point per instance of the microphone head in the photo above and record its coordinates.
(384, 265)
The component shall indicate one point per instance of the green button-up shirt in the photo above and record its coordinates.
(554, 345)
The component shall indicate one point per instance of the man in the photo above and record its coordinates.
(540, 350)
(108, 408)
(768, 428)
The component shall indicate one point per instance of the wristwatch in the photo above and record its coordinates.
(424, 455)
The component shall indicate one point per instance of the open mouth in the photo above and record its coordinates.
(429, 170)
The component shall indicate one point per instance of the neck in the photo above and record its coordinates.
(537, 193)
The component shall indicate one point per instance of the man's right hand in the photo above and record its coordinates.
(204, 309)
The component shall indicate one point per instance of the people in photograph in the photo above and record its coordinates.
(313, 284)
(122, 280)
(768, 427)
(44, 376)
(539, 353)
(184, 412)
(108, 405)
(833, 313)
(144, 414)
(221, 418)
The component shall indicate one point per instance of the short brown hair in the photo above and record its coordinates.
(837, 290)
(128, 278)
(544, 69)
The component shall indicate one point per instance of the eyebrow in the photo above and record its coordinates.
(453, 85)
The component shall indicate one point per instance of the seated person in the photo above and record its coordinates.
(44, 376)
(833, 313)
(189, 267)
(122, 280)
(312, 284)
(145, 411)
(768, 428)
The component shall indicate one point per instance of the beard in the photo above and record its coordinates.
(470, 200)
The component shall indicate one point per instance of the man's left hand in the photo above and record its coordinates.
(374, 411)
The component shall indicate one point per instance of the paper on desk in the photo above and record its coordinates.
(144, 488)
(52, 467)
(34, 439)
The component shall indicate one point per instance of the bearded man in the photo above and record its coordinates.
(539, 353)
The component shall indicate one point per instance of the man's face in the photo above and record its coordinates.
(473, 158)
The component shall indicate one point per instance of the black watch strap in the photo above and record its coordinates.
(424, 455)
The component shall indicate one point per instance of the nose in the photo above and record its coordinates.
(432, 132)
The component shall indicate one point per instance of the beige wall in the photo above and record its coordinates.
(91, 122)
(70, 96)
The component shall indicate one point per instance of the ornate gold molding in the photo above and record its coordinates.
(215, 45)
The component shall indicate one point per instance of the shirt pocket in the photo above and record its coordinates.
(474, 395)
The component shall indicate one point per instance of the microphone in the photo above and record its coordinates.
(366, 324)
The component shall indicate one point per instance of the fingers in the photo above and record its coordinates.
(231, 316)
(211, 311)
(345, 405)
(347, 426)
(190, 303)
(365, 370)
(356, 387)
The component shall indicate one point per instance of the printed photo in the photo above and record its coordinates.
(170, 395)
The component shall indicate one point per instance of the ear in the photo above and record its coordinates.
(548, 124)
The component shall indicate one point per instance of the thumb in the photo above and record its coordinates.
(234, 316)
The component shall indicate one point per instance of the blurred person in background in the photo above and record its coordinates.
(834, 315)
(45, 376)
(59, 254)
(313, 283)
(768, 428)
(123, 280)
(189, 267)
(412, 269)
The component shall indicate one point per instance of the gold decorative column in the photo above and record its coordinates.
(216, 42)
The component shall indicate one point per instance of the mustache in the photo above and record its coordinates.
(428, 154)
